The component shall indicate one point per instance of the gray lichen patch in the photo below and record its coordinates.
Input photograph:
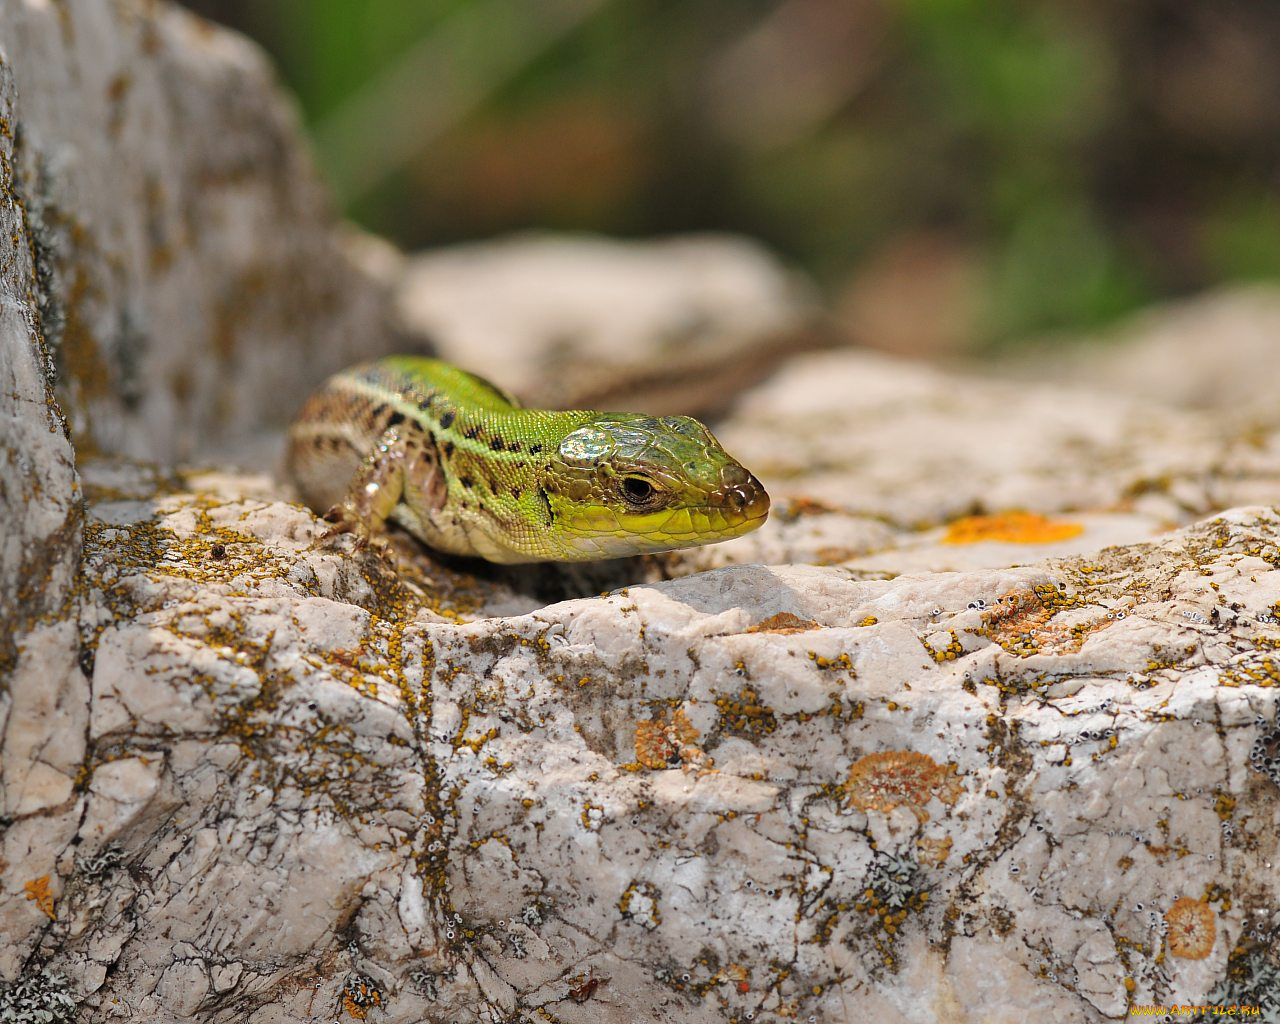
(41, 997)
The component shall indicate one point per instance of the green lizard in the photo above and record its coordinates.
(460, 465)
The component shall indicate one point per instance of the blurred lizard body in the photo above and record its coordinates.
(462, 467)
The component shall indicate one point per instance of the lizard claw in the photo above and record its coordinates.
(337, 515)
(345, 521)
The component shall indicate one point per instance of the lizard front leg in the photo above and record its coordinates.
(402, 470)
(375, 489)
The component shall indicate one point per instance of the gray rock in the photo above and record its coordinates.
(984, 720)
(777, 790)
(674, 326)
(191, 284)
(42, 516)
(1214, 351)
(918, 446)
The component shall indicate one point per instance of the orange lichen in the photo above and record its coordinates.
(901, 778)
(798, 507)
(1011, 528)
(1021, 621)
(1191, 928)
(38, 892)
(933, 850)
(660, 744)
(783, 622)
(359, 997)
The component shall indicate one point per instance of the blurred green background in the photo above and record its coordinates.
(956, 174)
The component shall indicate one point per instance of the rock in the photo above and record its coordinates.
(884, 466)
(40, 501)
(44, 699)
(775, 790)
(170, 256)
(183, 241)
(995, 728)
(1213, 351)
(674, 326)
(918, 446)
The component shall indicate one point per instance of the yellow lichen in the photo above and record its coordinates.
(592, 816)
(950, 652)
(839, 662)
(744, 714)
(1011, 528)
(38, 892)
(639, 903)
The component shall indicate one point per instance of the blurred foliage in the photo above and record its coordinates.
(1021, 166)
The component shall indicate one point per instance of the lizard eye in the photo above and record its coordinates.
(638, 491)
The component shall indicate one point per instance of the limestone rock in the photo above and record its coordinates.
(39, 490)
(168, 255)
(1214, 351)
(884, 466)
(983, 721)
(780, 791)
(183, 241)
(674, 326)
(44, 699)
(919, 446)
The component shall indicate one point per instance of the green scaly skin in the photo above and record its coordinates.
(460, 465)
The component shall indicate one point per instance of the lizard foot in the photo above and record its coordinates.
(344, 521)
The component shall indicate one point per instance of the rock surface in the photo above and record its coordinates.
(182, 239)
(310, 789)
(983, 721)
(40, 501)
(1214, 351)
(41, 512)
(674, 326)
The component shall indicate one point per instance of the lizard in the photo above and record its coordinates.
(463, 467)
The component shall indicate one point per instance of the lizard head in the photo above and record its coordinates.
(624, 484)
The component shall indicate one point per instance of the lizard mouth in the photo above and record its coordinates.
(729, 512)
(747, 501)
(739, 505)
